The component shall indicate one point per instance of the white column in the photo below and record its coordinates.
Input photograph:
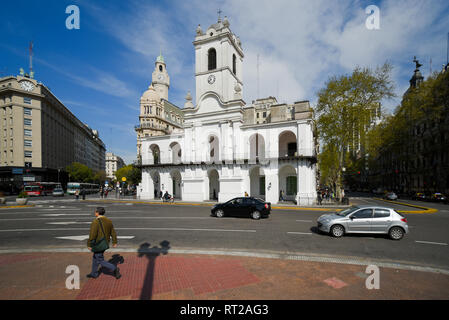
(147, 185)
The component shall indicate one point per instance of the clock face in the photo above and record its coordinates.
(160, 77)
(211, 79)
(27, 85)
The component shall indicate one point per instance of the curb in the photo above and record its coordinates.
(14, 207)
(426, 210)
(210, 204)
(306, 257)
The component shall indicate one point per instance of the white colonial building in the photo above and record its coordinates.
(223, 149)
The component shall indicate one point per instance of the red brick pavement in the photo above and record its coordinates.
(191, 277)
(144, 277)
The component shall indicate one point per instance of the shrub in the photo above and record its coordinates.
(23, 194)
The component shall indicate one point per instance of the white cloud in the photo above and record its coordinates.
(300, 43)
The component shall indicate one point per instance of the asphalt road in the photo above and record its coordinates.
(63, 223)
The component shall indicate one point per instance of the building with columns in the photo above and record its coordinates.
(157, 116)
(222, 149)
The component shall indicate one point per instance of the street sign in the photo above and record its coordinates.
(17, 171)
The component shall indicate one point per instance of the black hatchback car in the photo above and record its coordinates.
(242, 207)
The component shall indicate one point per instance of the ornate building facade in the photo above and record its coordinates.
(157, 116)
(221, 150)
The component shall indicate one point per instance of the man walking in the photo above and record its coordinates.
(101, 228)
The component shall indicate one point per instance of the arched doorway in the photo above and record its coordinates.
(214, 184)
(155, 154)
(257, 182)
(175, 153)
(256, 148)
(176, 179)
(156, 178)
(288, 183)
(287, 144)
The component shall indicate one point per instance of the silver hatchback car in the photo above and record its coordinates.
(364, 219)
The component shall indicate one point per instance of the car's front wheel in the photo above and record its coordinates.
(337, 231)
(219, 213)
(255, 215)
(396, 233)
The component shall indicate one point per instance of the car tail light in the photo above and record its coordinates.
(404, 220)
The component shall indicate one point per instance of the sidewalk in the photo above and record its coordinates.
(168, 276)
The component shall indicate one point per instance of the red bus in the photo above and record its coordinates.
(40, 188)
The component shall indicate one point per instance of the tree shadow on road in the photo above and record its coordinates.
(151, 253)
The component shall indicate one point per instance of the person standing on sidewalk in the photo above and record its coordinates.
(101, 228)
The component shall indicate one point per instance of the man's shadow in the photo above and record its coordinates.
(115, 260)
(151, 253)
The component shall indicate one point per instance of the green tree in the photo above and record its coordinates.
(345, 111)
(100, 177)
(415, 135)
(79, 172)
(132, 174)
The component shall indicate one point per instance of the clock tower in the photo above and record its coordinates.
(160, 79)
(218, 62)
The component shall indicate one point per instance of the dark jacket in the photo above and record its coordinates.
(96, 233)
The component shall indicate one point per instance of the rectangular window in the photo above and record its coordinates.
(291, 186)
(10, 132)
(11, 143)
(262, 186)
(264, 114)
(28, 154)
(27, 132)
(10, 121)
(28, 143)
(27, 100)
(27, 122)
(27, 111)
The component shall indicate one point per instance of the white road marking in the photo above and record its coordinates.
(69, 222)
(429, 242)
(308, 233)
(186, 229)
(85, 237)
(64, 214)
(304, 220)
(74, 216)
(150, 229)
(73, 209)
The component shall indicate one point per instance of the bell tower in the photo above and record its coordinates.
(218, 61)
(160, 78)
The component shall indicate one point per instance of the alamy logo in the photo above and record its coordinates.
(373, 20)
(373, 280)
(73, 280)
(73, 20)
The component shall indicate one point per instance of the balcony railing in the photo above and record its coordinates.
(234, 158)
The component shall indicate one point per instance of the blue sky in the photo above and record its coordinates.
(100, 71)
